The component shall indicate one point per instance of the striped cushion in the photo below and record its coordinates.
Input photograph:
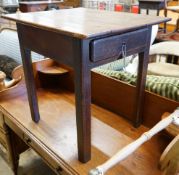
(165, 86)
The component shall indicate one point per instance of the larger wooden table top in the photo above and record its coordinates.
(84, 23)
(56, 133)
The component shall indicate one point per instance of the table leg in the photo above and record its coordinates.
(29, 78)
(14, 153)
(141, 81)
(83, 102)
(165, 23)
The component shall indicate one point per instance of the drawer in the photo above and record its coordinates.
(111, 47)
(37, 147)
(51, 159)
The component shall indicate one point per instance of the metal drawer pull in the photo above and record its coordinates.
(124, 55)
(59, 169)
(27, 140)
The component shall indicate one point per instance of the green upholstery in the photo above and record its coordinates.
(164, 86)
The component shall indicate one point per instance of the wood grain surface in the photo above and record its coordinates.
(85, 23)
(54, 138)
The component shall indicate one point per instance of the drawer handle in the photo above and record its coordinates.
(59, 169)
(27, 140)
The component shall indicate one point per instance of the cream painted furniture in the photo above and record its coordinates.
(130, 148)
(162, 50)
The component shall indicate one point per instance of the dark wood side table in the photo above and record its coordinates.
(83, 39)
(152, 5)
(33, 6)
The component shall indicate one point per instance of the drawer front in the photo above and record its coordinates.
(36, 146)
(111, 47)
(44, 154)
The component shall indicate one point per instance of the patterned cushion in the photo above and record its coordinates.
(164, 86)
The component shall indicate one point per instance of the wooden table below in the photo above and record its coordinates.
(54, 137)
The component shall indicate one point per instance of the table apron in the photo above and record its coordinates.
(152, 5)
(50, 44)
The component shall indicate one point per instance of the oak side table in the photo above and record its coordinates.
(83, 39)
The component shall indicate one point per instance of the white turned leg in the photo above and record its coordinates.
(129, 149)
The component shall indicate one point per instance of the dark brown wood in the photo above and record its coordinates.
(14, 152)
(141, 79)
(69, 41)
(112, 46)
(28, 71)
(82, 76)
(152, 5)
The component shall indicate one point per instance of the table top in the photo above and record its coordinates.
(85, 23)
(39, 2)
